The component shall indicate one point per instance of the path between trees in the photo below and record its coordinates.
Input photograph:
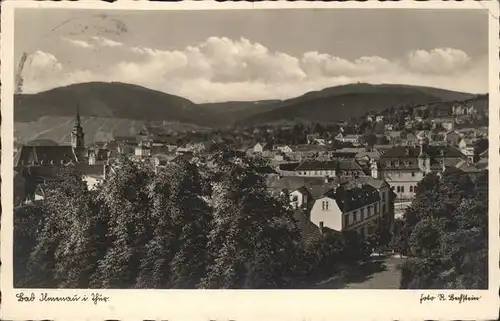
(378, 273)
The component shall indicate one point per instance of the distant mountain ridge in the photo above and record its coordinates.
(108, 100)
(135, 105)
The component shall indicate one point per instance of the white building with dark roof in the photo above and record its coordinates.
(404, 166)
(339, 204)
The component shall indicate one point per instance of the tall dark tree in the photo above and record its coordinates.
(252, 231)
(445, 233)
(70, 242)
(126, 202)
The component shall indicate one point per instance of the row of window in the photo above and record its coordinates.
(362, 214)
(401, 189)
(398, 174)
(327, 172)
(42, 162)
(397, 163)
(320, 172)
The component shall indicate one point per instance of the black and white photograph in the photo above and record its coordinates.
(253, 149)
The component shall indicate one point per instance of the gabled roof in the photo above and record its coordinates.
(318, 165)
(317, 186)
(45, 155)
(288, 166)
(309, 148)
(371, 154)
(414, 151)
(266, 170)
(356, 197)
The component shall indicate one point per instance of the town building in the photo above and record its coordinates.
(260, 148)
(283, 148)
(38, 165)
(349, 138)
(359, 204)
(446, 123)
(467, 147)
(333, 168)
(404, 166)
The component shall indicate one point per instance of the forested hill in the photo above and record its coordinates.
(111, 108)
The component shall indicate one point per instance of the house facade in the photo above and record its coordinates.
(404, 166)
(339, 204)
(356, 209)
(467, 148)
(334, 168)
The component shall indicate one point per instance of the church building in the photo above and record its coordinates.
(39, 164)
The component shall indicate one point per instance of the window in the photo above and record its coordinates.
(362, 214)
(411, 188)
(402, 189)
(398, 189)
(325, 205)
(355, 216)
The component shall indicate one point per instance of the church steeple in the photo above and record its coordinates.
(77, 135)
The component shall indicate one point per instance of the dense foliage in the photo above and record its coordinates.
(445, 233)
(182, 226)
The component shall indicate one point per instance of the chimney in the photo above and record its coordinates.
(321, 227)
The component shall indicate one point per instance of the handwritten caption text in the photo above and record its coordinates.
(461, 298)
(45, 297)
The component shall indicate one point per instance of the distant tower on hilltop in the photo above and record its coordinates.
(77, 135)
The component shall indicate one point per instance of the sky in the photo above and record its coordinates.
(228, 55)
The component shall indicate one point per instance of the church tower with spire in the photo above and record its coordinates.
(77, 135)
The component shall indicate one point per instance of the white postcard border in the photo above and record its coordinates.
(245, 304)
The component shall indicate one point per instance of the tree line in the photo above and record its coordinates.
(183, 226)
(445, 233)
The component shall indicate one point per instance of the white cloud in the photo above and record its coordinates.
(105, 42)
(221, 69)
(438, 61)
(79, 43)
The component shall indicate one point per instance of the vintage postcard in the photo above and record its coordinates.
(250, 161)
